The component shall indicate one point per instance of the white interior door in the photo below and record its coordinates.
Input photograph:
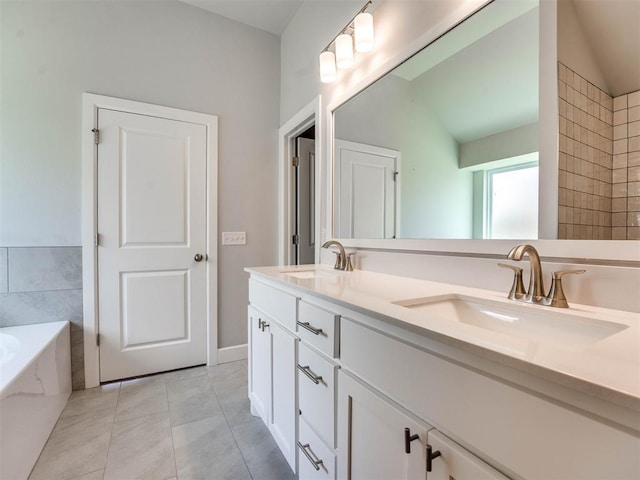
(151, 224)
(305, 201)
(366, 188)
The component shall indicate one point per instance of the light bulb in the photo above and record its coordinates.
(344, 51)
(363, 26)
(327, 67)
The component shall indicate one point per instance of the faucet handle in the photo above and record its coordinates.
(339, 260)
(349, 264)
(556, 296)
(517, 288)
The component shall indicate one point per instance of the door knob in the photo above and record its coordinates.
(199, 257)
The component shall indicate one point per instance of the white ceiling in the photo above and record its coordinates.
(613, 31)
(483, 77)
(270, 15)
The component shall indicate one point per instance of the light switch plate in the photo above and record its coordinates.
(234, 238)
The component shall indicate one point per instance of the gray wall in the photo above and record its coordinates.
(435, 195)
(164, 53)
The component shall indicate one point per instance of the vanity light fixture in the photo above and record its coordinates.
(363, 27)
(360, 27)
(344, 51)
(327, 67)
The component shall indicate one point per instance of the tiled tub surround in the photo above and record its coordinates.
(35, 383)
(599, 161)
(44, 284)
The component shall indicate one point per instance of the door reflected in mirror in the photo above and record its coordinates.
(426, 151)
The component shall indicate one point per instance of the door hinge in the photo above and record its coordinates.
(97, 339)
(295, 161)
(96, 239)
(395, 176)
(295, 239)
(96, 135)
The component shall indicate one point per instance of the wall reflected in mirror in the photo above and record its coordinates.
(599, 110)
(446, 144)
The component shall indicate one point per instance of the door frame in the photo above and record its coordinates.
(90, 105)
(301, 121)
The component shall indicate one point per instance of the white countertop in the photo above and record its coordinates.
(607, 368)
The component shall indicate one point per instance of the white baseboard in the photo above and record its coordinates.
(231, 354)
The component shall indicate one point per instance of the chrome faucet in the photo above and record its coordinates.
(343, 261)
(535, 292)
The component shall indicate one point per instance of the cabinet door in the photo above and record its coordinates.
(259, 366)
(283, 388)
(455, 463)
(371, 436)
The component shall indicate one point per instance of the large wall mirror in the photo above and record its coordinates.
(445, 146)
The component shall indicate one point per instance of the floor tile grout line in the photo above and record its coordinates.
(230, 427)
(88, 473)
(235, 441)
(173, 447)
(115, 413)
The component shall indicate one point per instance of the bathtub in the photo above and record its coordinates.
(35, 383)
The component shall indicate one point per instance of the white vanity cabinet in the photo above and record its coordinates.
(338, 385)
(272, 363)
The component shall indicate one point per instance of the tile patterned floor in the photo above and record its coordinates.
(188, 424)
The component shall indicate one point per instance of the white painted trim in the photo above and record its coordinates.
(605, 250)
(231, 354)
(90, 105)
(301, 121)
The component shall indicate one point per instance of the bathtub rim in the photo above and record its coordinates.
(34, 353)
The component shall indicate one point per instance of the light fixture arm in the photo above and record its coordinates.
(348, 26)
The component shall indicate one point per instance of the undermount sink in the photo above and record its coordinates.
(515, 320)
(311, 273)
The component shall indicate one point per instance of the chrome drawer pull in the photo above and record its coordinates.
(316, 331)
(316, 463)
(307, 371)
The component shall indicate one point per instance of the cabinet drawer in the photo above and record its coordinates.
(279, 305)
(315, 460)
(317, 400)
(319, 327)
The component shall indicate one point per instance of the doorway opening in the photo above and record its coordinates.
(304, 187)
(300, 187)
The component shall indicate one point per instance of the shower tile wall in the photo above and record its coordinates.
(585, 159)
(626, 167)
(599, 161)
(44, 284)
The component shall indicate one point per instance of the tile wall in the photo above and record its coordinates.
(44, 284)
(626, 167)
(585, 159)
(599, 161)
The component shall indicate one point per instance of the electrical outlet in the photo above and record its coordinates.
(234, 238)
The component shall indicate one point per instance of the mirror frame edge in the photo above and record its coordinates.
(608, 250)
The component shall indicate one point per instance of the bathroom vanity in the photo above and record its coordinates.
(363, 375)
